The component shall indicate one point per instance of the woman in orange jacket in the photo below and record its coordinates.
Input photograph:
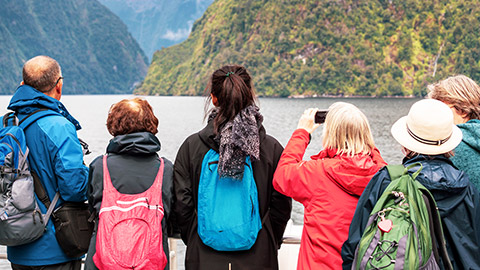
(329, 184)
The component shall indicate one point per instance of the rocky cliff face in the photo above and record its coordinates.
(328, 47)
(93, 46)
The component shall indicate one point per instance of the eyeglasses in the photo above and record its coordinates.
(59, 78)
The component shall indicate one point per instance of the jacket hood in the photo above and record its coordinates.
(471, 133)
(442, 179)
(352, 174)
(139, 143)
(208, 137)
(27, 100)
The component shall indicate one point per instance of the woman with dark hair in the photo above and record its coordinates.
(235, 132)
(133, 167)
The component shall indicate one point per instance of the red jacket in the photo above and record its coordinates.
(329, 187)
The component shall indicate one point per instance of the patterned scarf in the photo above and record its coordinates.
(238, 139)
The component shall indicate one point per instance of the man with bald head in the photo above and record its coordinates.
(55, 155)
(45, 75)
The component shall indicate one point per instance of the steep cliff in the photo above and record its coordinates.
(93, 46)
(329, 47)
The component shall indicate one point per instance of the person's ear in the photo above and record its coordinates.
(58, 90)
(214, 100)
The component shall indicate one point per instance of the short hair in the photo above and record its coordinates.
(130, 116)
(41, 72)
(347, 130)
(459, 91)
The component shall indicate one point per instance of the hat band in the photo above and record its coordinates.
(425, 141)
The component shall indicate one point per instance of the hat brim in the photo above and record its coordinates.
(400, 133)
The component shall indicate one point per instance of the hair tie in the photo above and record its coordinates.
(229, 73)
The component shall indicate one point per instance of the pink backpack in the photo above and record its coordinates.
(129, 234)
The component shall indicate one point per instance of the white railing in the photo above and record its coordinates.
(287, 255)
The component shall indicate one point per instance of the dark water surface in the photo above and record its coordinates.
(182, 116)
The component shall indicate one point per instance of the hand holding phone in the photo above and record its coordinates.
(307, 120)
(320, 116)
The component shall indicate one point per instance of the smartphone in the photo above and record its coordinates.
(320, 116)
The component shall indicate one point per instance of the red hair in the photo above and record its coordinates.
(130, 116)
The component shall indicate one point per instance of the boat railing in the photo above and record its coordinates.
(287, 254)
(286, 240)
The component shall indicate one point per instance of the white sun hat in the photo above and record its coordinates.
(428, 128)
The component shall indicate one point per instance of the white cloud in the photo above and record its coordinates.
(178, 35)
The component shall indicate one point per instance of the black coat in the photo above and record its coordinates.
(133, 164)
(457, 200)
(263, 254)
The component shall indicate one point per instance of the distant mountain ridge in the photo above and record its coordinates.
(328, 47)
(93, 46)
(158, 23)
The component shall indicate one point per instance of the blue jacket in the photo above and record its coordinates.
(56, 156)
(467, 153)
(457, 199)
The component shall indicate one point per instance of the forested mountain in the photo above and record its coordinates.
(93, 46)
(158, 23)
(328, 47)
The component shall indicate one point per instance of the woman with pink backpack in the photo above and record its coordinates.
(130, 192)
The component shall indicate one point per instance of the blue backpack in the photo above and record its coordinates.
(228, 212)
(21, 221)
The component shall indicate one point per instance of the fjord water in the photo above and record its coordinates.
(181, 116)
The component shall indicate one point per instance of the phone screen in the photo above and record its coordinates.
(320, 116)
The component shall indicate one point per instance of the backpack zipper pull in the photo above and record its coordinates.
(400, 200)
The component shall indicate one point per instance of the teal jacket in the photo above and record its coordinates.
(56, 156)
(467, 153)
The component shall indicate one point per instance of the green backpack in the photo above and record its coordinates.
(404, 229)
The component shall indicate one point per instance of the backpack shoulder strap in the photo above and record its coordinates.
(34, 116)
(435, 244)
(50, 208)
(10, 116)
(436, 231)
(43, 197)
(38, 186)
(395, 171)
(40, 190)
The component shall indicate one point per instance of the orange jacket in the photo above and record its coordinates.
(329, 187)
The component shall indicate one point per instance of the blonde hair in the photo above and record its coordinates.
(459, 91)
(347, 130)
